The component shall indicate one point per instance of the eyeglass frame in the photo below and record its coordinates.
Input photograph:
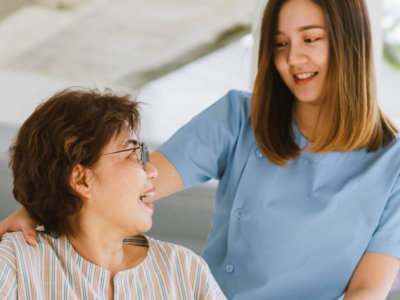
(144, 153)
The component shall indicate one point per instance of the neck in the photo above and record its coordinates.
(102, 245)
(306, 118)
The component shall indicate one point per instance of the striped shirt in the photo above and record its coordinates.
(54, 270)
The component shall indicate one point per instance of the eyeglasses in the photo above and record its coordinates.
(142, 156)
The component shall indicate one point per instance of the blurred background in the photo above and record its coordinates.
(176, 56)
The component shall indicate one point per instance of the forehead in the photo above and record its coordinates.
(124, 138)
(295, 14)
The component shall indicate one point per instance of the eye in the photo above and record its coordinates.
(135, 153)
(132, 153)
(310, 40)
(280, 45)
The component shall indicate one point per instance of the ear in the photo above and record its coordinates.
(79, 182)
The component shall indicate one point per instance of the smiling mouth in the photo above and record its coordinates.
(305, 75)
(146, 195)
(304, 78)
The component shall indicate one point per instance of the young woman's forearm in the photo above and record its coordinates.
(364, 294)
(373, 277)
(168, 181)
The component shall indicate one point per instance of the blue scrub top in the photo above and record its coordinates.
(293, 232)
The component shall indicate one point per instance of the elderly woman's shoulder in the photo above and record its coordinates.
(184, 268)
(16, 240)
(173, 253)
(10, 244)
(170, 249)
(12, 239)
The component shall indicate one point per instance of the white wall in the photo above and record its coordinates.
(375, 11)
(375, 8)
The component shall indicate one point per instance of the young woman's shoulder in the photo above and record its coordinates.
(233, 102)
(238, 99)
(240, 95)
(392, 149)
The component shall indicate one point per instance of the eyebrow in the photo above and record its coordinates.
(133, 142)
(305, 28)
(308, 27)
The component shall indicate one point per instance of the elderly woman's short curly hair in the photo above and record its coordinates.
(70, 128)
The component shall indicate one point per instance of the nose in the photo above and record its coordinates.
(296, 55)
(151, 171)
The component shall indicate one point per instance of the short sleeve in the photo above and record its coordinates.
(202, 148)
(386, 238)
(8, 273)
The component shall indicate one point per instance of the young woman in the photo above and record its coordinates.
(80, 171)
(308, 202)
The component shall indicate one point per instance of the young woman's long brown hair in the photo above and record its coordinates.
(350, 117)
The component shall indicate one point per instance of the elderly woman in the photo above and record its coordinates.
(80, 170)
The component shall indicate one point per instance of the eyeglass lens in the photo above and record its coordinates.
(145, 154)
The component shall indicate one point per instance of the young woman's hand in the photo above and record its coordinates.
(20, 220)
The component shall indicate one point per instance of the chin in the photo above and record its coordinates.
(146, 227)
(307, 100)
(137, 226)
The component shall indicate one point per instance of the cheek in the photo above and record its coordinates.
(281, 65)
(278, 62)
(134, 178)
(323, 57)
(283, 71)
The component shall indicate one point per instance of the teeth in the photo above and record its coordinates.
(304, 75)
(150, 194)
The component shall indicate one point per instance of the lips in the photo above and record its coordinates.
(144, 196)
(305, 77)
(147, 194)
(148, 204)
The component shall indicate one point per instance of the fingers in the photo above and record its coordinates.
(30, 235)
(2, 230)
(17, 221)
(4, 227)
